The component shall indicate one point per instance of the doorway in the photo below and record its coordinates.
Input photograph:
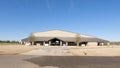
(55, 42)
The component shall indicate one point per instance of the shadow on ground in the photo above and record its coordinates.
(76, 61)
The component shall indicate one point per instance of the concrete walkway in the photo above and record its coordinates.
(16, 61)
(50, 51)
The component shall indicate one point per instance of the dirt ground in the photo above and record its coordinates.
(95, 51)
(15, 49)
(19, 56)
(75, 50)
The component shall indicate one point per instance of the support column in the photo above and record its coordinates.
(108, 43)
(32, 43)
(102, 44)
(49, 43)
(60, 43)
(44, 43)
(78, 44)
(66, 44)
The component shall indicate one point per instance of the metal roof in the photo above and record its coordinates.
(59, 33)
(70, 39)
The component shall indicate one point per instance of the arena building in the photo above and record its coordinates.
(62, 38)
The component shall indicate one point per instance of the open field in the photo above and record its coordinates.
(15, 49)
(74, 50)
(95, 51)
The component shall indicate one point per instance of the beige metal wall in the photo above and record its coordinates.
(92, 43)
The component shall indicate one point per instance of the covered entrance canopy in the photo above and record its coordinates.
(55, 41)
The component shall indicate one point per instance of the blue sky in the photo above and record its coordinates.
(100, 18)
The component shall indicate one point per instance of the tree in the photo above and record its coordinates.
(77, 39)
(32, 38)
